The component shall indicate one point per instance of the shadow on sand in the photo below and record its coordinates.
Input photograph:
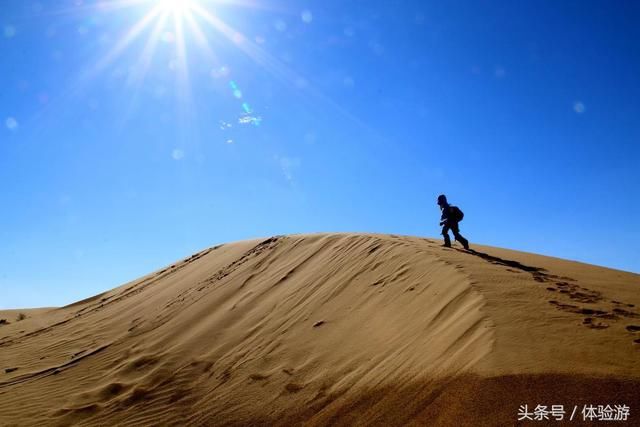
(506, 262)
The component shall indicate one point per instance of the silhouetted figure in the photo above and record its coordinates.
(451, 216)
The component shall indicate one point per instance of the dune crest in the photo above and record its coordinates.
(329, 328)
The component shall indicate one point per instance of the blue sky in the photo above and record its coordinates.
(238, 119)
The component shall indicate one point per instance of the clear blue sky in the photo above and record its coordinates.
(133, 133)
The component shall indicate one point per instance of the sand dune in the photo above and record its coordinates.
(342, 329)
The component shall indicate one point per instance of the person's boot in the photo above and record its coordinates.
(465, 242)
(447, 241)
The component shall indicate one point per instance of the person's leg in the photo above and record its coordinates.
(458, 236)
(445, 234)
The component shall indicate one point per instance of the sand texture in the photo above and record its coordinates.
(330, 329)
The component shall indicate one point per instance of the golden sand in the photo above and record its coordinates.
(340, 329)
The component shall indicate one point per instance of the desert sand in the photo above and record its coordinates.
(340, 329)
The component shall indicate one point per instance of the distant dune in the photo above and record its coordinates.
(340, 329)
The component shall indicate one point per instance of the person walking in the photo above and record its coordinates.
(451, 216)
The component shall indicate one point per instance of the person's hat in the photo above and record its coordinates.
(442, 199)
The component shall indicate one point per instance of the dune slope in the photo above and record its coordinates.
(330, 329)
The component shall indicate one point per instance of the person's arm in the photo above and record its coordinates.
(444, 217)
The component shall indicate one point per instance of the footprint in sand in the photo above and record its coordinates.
(591, 314)
(588, 322)
(293, 387)
(576, 292)
(634, 328)
(111, 390)
(622, 303)
(258, 377)
(626, 313)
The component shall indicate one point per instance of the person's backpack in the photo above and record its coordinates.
(456, 213)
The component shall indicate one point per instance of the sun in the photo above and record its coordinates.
(172, 25)
(176, 7)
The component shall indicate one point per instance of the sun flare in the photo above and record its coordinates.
(165, 33)
(176, 7)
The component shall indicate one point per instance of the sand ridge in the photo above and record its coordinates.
(325, 328)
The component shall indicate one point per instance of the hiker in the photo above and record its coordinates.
(451, 216)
